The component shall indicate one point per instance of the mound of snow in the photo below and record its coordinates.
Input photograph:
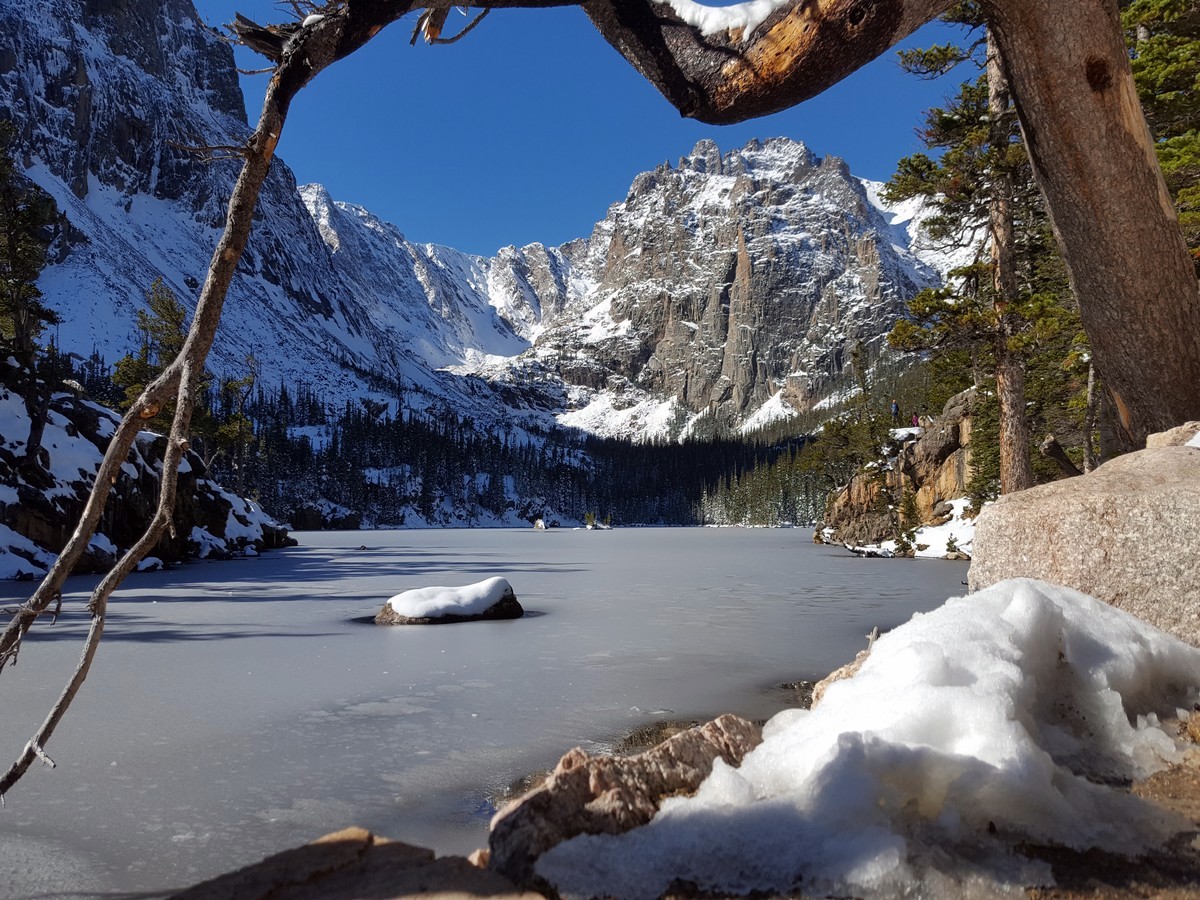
(435, 602)
(992, 722)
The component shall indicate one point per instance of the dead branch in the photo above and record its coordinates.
(325, 42)
(212, 152)
(433, 20)
(1052, 449)
(467, 30)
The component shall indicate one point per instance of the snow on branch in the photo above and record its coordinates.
(710, 20)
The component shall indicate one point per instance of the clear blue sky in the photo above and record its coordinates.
(531, 126)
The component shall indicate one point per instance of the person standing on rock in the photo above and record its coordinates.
(895, 412)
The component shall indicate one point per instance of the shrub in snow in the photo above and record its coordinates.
(492, 598)
(991, 722)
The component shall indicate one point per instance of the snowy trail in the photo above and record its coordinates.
(236, 708)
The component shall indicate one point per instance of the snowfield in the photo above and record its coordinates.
(991, 722)
(434, 602)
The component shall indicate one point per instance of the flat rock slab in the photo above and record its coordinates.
(355, 863)
(1126, 534)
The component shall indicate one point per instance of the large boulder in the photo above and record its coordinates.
(610, 795)
(1126, 533)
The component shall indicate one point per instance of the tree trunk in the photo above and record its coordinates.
(1094, 159)
(1089, 421)
(1016, 466)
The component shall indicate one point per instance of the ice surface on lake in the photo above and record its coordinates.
(468, 600)
(236, 709)
(996, 720)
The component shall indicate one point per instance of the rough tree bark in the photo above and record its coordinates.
(1095, 162)
(1091, 149)
(1016, 466)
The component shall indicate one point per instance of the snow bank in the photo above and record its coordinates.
(433, 602)
(957, 534)
(979, 726)
(21, 557)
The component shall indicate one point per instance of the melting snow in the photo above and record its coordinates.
(974, 728)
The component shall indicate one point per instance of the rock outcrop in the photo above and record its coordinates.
(40, 504)
(356, 863)
(609, 795)
(936, 467)
(1125, 533)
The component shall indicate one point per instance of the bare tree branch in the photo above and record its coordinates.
(334, 37)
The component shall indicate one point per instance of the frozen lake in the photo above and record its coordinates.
(236, 709)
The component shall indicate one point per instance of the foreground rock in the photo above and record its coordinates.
(492, 598)
(609, 795)
(1126, 534)
(356, 863)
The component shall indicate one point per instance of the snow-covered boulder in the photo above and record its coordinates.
(1125, 533)
(492, 598)
(999, 722)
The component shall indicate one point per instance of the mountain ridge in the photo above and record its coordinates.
(730, 285)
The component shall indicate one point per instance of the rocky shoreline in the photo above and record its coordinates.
(355, 863)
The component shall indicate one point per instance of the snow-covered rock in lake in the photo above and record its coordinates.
(998, 721)
(492, 598)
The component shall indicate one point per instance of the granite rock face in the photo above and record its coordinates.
(1126, 533)
(936, 466)
(729, 279)
(609, 795)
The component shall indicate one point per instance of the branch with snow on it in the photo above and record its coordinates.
(710, 20)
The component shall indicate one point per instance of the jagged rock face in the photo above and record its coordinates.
(936, 467)
(730, 278)
(112, 109)
(714, 286)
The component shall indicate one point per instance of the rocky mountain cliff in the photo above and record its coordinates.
(731, 284)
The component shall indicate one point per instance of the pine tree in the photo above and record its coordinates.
(1164, 40)
(27, 218)
(997, 311)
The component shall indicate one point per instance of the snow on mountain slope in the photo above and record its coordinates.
(719, 285)
(907, 219)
